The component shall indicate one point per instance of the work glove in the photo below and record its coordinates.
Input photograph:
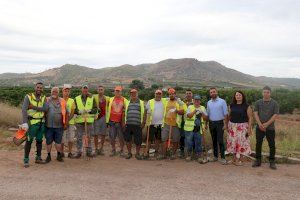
(88, 111)
(180, 102)
(24, 126)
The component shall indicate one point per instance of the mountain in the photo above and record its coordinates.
(187, 72)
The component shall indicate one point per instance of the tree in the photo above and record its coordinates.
(137, 84)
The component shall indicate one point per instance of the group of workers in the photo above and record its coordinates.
(171, 124)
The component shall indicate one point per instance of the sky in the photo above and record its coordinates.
(257, 37)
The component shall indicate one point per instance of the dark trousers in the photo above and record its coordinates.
(217, 134)
(270, 135)
(182, 140)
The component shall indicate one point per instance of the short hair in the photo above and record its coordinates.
(212, 88)
(39, 83)
(267, 88)
(100, 86)
(55, 88)
(188, 90)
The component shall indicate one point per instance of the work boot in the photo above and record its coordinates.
(113, 153)
(138, 156)
(256, 163)
(273, 166)
(39, 160)
(26, 162)
(59, 157)
(129, 155)
(48, 159)
(77, 156)
(188, 158)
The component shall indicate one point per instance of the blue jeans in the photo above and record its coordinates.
(193, 139)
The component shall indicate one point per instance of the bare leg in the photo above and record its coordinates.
(174, 147)
(102, 140)
(70, 146)
(96, 141)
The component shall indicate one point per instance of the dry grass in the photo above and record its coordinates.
(9, 116)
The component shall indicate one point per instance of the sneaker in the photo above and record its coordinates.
(113, 153)
(48, 159)
(138, 156)
(188, 159)
(273, 166)
(129, 155)
(77, 156)
(70, 155)
(160, 157)
(59, 157)
(256, 163)
(202, 160)
(224, 161)
(215, 159)
(121, 153)
(39, 160)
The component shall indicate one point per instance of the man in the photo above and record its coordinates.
(86, 109)
(187, 102)
(266, 111)
(56, 121)
(218, 116)
(114, 119)
(34, 122)
(171, 122)
(135, 119)
(193, 127)
(102, 102)
(69, 133)
(155, 109)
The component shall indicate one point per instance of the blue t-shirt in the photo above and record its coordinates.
(217, 109)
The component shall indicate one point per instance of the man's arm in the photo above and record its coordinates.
(225, 112)
(24, 109)
(250, 119)
(95, 108)
(144, 118)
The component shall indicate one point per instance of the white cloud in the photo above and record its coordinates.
(252, 36)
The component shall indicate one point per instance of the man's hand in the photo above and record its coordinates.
(143, 125)
(262, 127)
(225, 128)
(24, 126)
(80, 112)
(249, 131)
(30, 106)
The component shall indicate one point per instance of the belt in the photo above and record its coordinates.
(217, 122)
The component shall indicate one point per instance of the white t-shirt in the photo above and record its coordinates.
(158, 113)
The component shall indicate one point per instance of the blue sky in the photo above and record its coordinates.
(258, 37)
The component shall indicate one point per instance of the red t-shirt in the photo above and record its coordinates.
(102, 106)
(117, 109)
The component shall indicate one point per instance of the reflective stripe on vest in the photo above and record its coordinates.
(151, 104)
(35, 115)
(88, 106)
(107, 116)
(70, 104)
(142, 106)
(190, 122)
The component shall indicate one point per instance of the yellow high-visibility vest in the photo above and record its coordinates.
(107, 99)
(190, 122)
(70, 107)
(34, 115)
(151, 104)
(88, 106)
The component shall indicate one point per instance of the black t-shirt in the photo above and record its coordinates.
(238, 113)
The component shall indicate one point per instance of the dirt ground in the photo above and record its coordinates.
(117, 178)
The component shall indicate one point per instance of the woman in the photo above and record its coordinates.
(239, 127)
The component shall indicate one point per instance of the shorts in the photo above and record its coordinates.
(80, 129)
(134, 131)
(175, 134)
(69, 134)
(115, 131)
(155, 132)
(99, 127)
(54, 134)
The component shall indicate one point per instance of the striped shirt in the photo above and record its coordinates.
(134, 113)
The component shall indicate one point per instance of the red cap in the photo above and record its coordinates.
(118, 88)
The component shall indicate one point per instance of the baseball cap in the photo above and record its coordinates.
(197, 97)
(118, 88)
(85, 86)
(158, 91)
